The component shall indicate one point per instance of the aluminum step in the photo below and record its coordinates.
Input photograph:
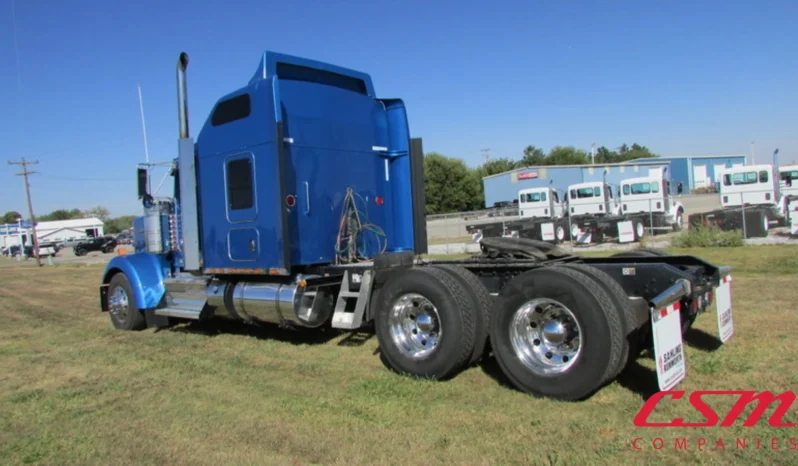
(344, 319)
(178, 313)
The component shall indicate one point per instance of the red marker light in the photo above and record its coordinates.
(290, 200)
(378, 200)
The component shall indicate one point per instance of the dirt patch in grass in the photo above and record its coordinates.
(74, 390)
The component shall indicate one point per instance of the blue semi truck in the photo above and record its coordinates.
(301, 205)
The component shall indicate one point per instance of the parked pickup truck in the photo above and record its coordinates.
(105, 244)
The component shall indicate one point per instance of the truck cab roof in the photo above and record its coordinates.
(746, 168)
(589, 184)
(535, 190)
(287, 66)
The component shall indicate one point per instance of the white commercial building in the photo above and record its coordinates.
(56, 230)
(64, 230)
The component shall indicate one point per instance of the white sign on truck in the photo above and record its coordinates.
(724, 307)
(668, 347)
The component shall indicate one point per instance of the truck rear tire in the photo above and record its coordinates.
(122, 306)
(425, 323)
(639, 229)
(621, 301)
(555, 334)
(480, 296)
(678, 223)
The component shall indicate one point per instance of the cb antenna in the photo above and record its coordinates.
(144, 131)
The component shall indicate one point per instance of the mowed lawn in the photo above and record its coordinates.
(75, 391)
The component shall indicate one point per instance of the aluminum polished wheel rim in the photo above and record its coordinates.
(546, 336)
(415, 325)
(118, 303)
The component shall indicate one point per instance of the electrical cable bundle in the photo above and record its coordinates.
(350, 230)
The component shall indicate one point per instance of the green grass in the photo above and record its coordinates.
(75, 391)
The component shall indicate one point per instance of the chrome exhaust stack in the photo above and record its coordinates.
(182, 100)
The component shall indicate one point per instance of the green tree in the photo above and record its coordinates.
(119, 224)
(60, 214)
(568, 155)
(10, 217)
(533, 156)
(637, 152)
(450, 186)
(496, 166)
(604, 155)
(100, 212)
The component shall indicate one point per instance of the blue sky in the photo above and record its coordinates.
(683, 78)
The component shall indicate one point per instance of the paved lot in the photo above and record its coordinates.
(455, 227)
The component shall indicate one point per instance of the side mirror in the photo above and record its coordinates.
(142, 178)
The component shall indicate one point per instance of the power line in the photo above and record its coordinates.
(25, 173)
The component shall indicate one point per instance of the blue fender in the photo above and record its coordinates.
(145, 272)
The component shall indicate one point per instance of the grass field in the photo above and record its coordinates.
(75, 391)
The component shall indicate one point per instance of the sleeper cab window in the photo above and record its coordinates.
(655, 187)
(239, 184)
(763, 176)
(232, 109)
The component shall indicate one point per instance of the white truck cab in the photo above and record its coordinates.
(592, 198)
(749, 185)
(539, 202)
(650, 194)
(788, 180)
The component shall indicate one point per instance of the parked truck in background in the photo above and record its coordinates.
(639, 205)
(648, 204)
(752, 193)
(299, 214)
(541, 216)
(788, 180)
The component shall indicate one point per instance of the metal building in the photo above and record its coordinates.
(505, 186)
(698, 171)
(693, 172)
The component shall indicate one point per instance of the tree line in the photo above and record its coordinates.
(452, 186)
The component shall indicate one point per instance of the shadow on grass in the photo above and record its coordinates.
(639, 379)
(702, 340)
(635, 378)
(491, 368)
(299, 336)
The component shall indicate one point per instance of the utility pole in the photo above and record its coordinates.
(486, 154)
(25, 173)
